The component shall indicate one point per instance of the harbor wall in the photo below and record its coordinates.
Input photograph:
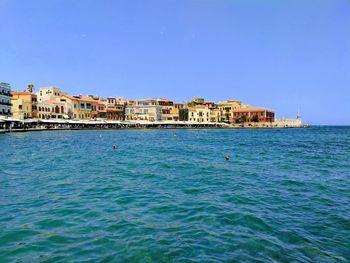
(291, 123)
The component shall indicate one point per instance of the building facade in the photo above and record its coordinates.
(215, 115)
(115, 108)
(143, 110)
(82, 107)
(169, 111)
(98, 111)
(199, 113)
(24, 105)
(5, 99)
(54, 104)
(226, 109)
(48, 93)
(253, 114)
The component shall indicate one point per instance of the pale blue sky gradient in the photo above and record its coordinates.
(278, 54)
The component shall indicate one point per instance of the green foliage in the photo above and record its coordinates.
(191, 103)
(255, 118)
(183, 115)
(241, 119)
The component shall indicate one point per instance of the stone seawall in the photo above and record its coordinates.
(292, 123)
(278, 123)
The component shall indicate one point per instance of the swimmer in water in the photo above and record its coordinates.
(227, 157)
(114, 146)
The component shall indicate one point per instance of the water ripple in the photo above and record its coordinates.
(283, 197)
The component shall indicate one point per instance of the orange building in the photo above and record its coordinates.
(24, 105)
(253, 114)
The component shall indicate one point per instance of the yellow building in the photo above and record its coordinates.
(199, 113)
(215, 115)
(82, 106)
(24, 105)
(169, 111)
(114, 108)
(226, 109)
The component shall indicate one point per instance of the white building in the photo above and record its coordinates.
(5, 99)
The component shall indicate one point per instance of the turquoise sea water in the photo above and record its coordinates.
(170, 196)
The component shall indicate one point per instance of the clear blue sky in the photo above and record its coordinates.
(277, 54)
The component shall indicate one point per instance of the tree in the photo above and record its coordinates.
(255, 118)
(241, 119)
(183, 115)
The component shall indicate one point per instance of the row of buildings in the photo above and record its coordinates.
(53, 103)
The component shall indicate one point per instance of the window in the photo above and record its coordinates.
(20, 107)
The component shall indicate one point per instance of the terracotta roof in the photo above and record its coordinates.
(113, 109)
(68, 96)
(53, 102)
(85, 98)
(22, 93)
(252, 109)
(198, 107)
(99, 103)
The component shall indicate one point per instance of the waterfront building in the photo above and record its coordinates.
(57, 109)
(54, 104)
(115, 108)
(50, 105)
(146, 109)
(83, 107)
(183, 111)
(5, 99)
(98, 111)
(48, 93)
(199, 113)
(169, 111)
(24, 104)
(68, 105)
(253, 114)
(215, 115)
(45, 110)
(226, 109)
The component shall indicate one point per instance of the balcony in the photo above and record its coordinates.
(5, 113)
(5, 103)
(5, 94)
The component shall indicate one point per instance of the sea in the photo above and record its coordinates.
(170, 195)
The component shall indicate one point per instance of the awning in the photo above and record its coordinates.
(12, 120)
(53, 121)
(30, 120)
